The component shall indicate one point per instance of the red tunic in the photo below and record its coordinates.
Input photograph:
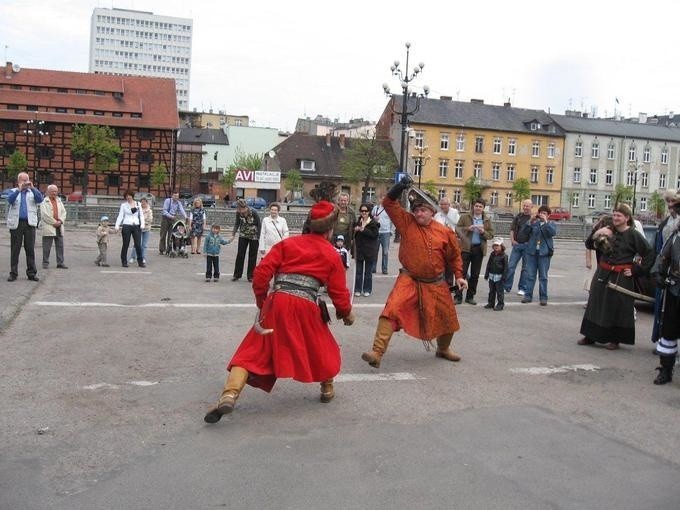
(301, 346)
(423, 310)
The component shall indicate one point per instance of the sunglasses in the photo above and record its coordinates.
(363, 210)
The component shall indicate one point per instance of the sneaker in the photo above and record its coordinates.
(132, 260)
(498, 308)
(544, 303)
(470, 301)
(526, 300)
(366, 294)
(357, 294)
(520, 292)
(216, 280)
(488, 306)
(61, 266)
(207, 280)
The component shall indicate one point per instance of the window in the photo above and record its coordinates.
(607, 201)
(457, 170)
(497, 145)
(609, 177)
(662, 180)
(418, 167)
(535, 149)
(591, 201)
(444, 168)
(419, 141)
(664, 156)
(644, 179)
(456, 196)
(444, 141)
(494, 198)
(307, 165)
(460, 142)
(577, 175)
(45, 152)
(508, 199)
(610, 151)
(12, 106)
(643, 203)
(144, 181)
(575, 197)
(539, 199)
(478, 170)
(61, 109)
(511, 173)
(535, 126)
(45, 177)
(632, 153)
(512, 147)
(630, 178)
(370, 193)
(146, 134)
(117, 114)
(9, 126)
(578, 149)
(534, 174)
(7, 150)
(112, 180)
(77, 178)
(145, 157)
(647, 154)
(479, 144)
(592, 179)
(99, 112)
(549, 175)
(495, 171)
(595, 150)
(442, 193)
(551, 150)
(79, 111)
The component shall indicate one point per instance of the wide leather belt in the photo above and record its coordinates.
(436, 279)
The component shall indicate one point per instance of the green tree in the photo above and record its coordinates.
(97, 147)
(521, 190)
(293, 182)
(159, 175)
(472, 189)
(244, 161)
(431, 187)
(622, 193)
(229, 178)
(365, 160)
(17, 164)
(657, 204)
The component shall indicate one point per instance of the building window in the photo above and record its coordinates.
(647, 154)
(146, 134)
(592, 179)
(77, 178)
(643, 203)
(9, 126)
(45, 177)
(644, 179)
(494, 198)
(145, 157)
(79, 111)
(442, 193)
(370, 193)
(12, 106)
(534, 174)
(117, 114)
(591, 201)
(479, 144)
(495, 172)
(60, 109)
(578, 149)
(549, 175)
(511, 173)
(551, 150)
(45, 152)
(577, 175)
(609, 177)
(632, 153)
(664, 156)
(307, 165)
(497, 145)
(607, 201)
(662, 180)
(535, 126)
(595, 150)
(610, 151)
(444, 141)
(512, 147)
(539, 200)
(630, 178)
(456, 196)
(508, 199)
(460, 142)
(7, 150)
(444, 167)
(478, 169)
(419, 141)
(99, 113)
(418, 167)
(144, 181)
(112, 180)
(457, 169)
(535, 149)
(575, 197)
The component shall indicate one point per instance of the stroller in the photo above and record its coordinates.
(179, 238)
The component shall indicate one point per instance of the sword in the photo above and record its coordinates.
(629, 292)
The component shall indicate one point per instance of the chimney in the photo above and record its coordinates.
(342, 141)
(671, 115)
(328, 139)
(477, 101)
(446, 98)
(8, 71)
(507, 104)
(642, 118)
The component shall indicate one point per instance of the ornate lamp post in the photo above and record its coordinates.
(636, 170)
(35, 128)
(419, 160)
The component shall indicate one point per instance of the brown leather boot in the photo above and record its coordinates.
(327, 392)
(383, 333)
(232, 389)
(443, 348)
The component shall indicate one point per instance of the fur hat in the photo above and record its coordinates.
(322, 216)
(416, 200)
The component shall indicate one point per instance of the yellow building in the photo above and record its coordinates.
(451, 141)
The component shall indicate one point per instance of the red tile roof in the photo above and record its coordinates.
(153, 98)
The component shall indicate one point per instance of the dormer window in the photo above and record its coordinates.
(307, 165)
(535, 126)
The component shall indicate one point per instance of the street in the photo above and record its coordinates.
(107, 373)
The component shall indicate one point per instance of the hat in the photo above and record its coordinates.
(340, 237)
(322, 216)
(421, 202)
(241, 203)
(104, 218)
(497, 240)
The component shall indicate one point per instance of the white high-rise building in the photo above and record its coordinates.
(139, 43)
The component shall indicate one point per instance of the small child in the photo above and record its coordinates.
(211, 248)
(103, 231)
(496, 272)
(342, 251)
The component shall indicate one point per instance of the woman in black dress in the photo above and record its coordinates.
(366, 250)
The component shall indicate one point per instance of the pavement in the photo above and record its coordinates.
(107, 373)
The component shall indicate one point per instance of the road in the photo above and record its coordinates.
(107, 373)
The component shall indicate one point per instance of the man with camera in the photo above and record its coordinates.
(22, 219)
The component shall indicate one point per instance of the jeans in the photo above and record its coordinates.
(212, 267)
(472, 260)
(363, 280)
(384, 240)
(540, 265)
(145, 242)
(517, 254)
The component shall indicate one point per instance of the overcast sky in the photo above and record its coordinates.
(276, 61)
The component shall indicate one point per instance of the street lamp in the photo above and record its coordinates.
(36, 128)
(419, 160)
(636, 166)
(405, 78)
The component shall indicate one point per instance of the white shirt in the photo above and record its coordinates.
(127, 217)
(272, 231)
(450, 220)
(383, 219)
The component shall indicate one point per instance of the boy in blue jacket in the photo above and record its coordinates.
(211, 248)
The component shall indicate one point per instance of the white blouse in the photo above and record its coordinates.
(127, 217)
(272, 231)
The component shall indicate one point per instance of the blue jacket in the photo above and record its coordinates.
(540, 236)
(213, 242)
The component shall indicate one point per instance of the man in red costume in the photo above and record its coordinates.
(420, 302)
(301, 345)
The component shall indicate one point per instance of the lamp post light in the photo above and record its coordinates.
(35, 128)
(636, 170)
(419, 160)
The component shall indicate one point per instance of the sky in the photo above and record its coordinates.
(277, 61)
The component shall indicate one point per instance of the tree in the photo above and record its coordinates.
(228, 179)
(244, 161)
(521, 190)
(17, 164)
(367, 161)
(96, 146)
(622, 194)
(293, 182)
(159, 175)
(472, 190)
(657, 204)
(431, 187)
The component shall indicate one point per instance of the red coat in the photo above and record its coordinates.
(301, 346)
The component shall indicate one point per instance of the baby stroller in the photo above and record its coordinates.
(179, 238)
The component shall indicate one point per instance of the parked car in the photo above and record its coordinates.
(252, 202)
(560, 213)
(208, 200)
(150, 197)
(500, 214)
(75, 196)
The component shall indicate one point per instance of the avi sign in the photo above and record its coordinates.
(257, 176)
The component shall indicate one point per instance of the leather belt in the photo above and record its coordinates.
(617, 268)
(436, 279)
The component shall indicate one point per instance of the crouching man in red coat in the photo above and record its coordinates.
(299, 344)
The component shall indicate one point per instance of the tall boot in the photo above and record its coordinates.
(232, 389)
(444, 348)
(327, 392)
(383, 333)
(665, 370)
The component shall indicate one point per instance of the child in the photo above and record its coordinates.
(103, 232)
(496, 272)
(342, 251)
(211, 248)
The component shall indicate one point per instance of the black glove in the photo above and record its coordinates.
(395, 192)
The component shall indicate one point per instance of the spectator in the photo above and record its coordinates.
(172, 208)
(538, 253)
(131, 220)
(384, 233)
(274, 228)
(147, 212)
(53, 215)
(366, 251)
(22, 219)
(496, 272)
(448, 216)
(103, 231)
(197, 220)
(212, 247)
(344, 225)
(518, 239)
(248, 227)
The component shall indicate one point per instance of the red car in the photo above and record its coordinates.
(559, 213)
(75, 196)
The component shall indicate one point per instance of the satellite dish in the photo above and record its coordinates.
(16, 68)
(272, 154)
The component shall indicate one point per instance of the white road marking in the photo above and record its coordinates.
(396, 376)
(107, 386)
(554, 370)
(125, 272)
(143, 383)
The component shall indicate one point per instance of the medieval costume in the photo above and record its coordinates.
(292, 339)
(609, 315)
(420, 302)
